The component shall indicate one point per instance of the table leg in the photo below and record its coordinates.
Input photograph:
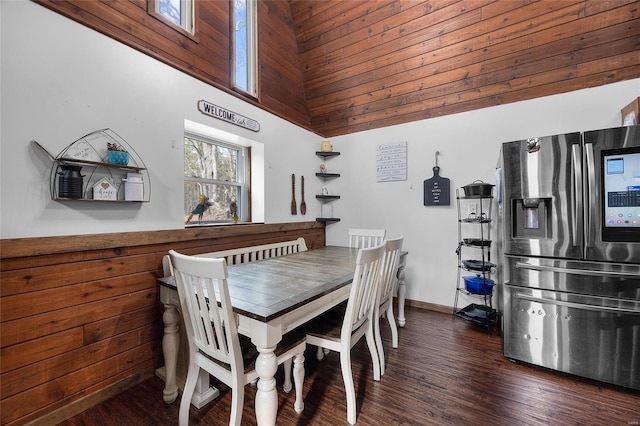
(401, 291)
(170, 344)
(266, 404)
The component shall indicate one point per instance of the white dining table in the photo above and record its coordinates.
(270, 297)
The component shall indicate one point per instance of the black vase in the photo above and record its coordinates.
(70, 182)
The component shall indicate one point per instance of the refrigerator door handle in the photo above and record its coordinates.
(575, 305)
(576, 190)
(590, 186)
(586, 272)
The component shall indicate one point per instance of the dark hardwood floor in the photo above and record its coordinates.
(445, 372)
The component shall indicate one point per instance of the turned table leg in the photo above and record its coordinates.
(170, 344)
(266, 403)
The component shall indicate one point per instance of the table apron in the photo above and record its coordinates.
(268, 334)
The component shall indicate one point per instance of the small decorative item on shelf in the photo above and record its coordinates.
(70, 181)
(133, 187)
(117, 154)
(233, 209)
(325, 190)
(104, 189)
(325, 146)
(323, 168)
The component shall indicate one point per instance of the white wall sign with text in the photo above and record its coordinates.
(220, 113)
(391, 162)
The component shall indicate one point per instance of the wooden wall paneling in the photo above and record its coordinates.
(420, 49)
(281, 81)
(154, 35)
(54, 321)
(19, 355)
(65, 389)
(119, 324)
(35, 374)
(344, 18)
(46, 277)
(367, 47)
(80, 314)
(362, 112)
(24, 305)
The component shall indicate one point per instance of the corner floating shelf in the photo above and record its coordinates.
(328, 175)
(327, 154)
(324, 176)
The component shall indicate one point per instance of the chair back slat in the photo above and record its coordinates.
(366, 238)
(389, 276)
(206, 304)
(364, 289)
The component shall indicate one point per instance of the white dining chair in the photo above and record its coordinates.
(212, 334)
(341, 332)
(384, 307)
(365, 238)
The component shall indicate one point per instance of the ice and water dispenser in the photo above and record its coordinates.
(531, 218)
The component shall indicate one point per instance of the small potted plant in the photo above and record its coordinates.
(117, 154)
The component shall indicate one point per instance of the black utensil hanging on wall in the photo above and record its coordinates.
(437, 190)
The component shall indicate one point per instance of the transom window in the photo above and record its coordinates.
(176, 12)
(245, 46)
(215, 181)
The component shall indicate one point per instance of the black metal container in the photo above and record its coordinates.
(478, 189)
(70, 182)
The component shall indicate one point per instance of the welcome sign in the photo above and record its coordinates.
(207, 108)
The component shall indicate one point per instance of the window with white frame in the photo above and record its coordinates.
(176, 12)
(245, 46)
(216, 183)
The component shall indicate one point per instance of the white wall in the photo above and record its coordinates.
(469, 145)
(60, 80)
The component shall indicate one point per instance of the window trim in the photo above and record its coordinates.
(244, 173)
(252, 50)
(151, 10)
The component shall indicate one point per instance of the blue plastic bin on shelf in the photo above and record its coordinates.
(118, 157)
(478, 285)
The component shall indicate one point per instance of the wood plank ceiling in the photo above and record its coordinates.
(337, 67)
(368, 64)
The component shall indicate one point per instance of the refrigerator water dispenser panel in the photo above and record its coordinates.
(531, 218)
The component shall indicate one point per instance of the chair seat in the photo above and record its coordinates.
(327, 325)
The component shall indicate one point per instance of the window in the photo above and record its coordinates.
(245, 46)
(176, 12)
(215, 180)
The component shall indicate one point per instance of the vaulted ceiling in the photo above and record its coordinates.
(367, 64)
(337, 67)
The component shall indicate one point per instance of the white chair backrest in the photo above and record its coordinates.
(364, 290)
(365, 238)
(389, 268)
(247, 254)
(210, 328)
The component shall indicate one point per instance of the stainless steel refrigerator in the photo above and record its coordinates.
(570, 216)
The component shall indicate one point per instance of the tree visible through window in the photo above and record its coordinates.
(245, 42)
(214, 180)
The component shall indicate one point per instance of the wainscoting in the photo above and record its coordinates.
(81, 318)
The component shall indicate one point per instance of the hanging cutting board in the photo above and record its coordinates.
(437, 190)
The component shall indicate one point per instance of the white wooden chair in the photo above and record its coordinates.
(341, 332)
(365, 238)
(214, 343)
(384, 307)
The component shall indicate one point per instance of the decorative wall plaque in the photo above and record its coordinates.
(207, 108)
